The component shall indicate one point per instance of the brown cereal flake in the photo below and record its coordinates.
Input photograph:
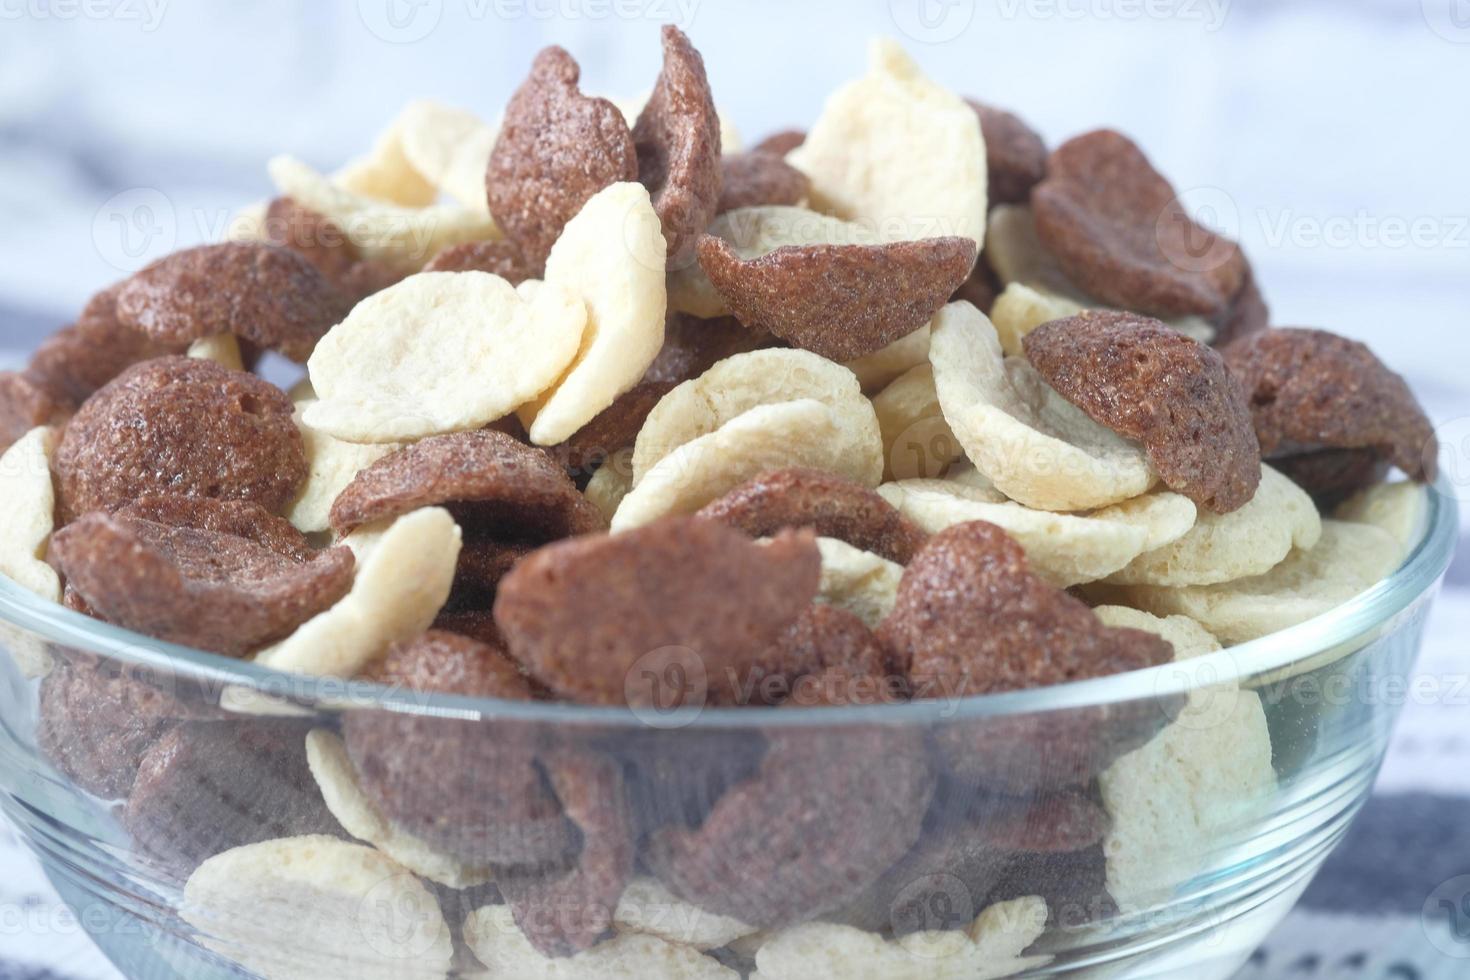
(782, 143)
(693, 345)
(1247, 314)
(1015, 154)
(24, 405)
(77, 361)
(755, 179)
(271, 296)
(678, 143)
(313, 236)
(1152, 384)
(500, 258)
(829, 657)
(840, 301)
(557, 148)
(1311, 389)
(813, 830)
(494, 485)
(95, 725)
(1119, 231)
(470, 788)
(833, 506)
(564, 911)
(582, 614)
(971, 618)
(482, 564)
(181, 426)
(1333, 475)
(209, 786)
(221, 591)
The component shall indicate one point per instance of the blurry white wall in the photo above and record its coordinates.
(1331, 137)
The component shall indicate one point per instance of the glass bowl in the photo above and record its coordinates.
(1151, 824)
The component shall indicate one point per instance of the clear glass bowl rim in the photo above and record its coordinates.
(1421, 570)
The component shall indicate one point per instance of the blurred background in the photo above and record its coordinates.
(1329, 136)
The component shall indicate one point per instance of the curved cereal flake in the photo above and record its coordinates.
(1064, 549)
(583, 614)
(441, 352)
(179, 576)
(333, 464)
(181, 426)
(1118, 229)
(1346, 559)
(1034, 446)
(29, 515)
(988, 949)
(737, 384)
(760, 180)
(1018, 257)
(1242, 543)
(385, 173)
(338, 781)
(917, 441)
(972, 615)
(404, 574)
(731, 141)
(339, 903)
(270, 296)
(1149, 383)
(1015, 155)
(450, 148)
(830, 505)
(498, 943)
(1173, 801)
(858, 581)
(1397, 508)
(752, 232)
(403, 238)
(650, 909)
(805, 433)
(611, 255)
(677, 137)
(1311, 389)
(840, 301)
(897, 152)
(556, 149)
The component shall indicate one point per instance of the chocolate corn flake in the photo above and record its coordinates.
(840, 301)
(781, 143)
(1015, 155)
(270, 296)
(755, 179)
(1119, 231)
(1311, 390)
(499, 258)
(971, 618)
(1152, 384)
(586, 615)
(557, 148)
(181, 426)
(678, 143)
(831, 505)
(214, 590)
(828, 811)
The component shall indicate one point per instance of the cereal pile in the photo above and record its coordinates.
(602, 409)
